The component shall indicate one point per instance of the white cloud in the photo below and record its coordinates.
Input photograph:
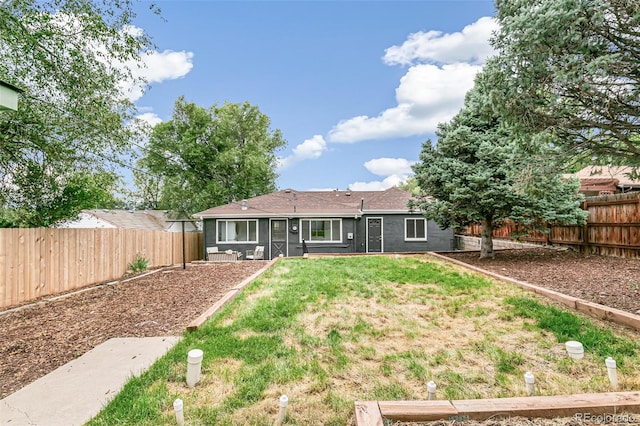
(389, 166)
(376, 185)
(469, 45)
(429, 93)
(150, 118)
(167, 65)
(153, 67)
(310, 149)
(394, 170)
(157, 67)
(442, 70)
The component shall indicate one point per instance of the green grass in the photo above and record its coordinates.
(567, 326)
(328, 331)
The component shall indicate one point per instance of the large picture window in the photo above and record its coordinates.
(322, 230)
(415, 229)
(238, 231)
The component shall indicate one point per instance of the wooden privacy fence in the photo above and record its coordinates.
(612, 228)
(37, 262)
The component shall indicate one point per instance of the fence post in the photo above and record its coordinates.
(585, 229)
(547, 235)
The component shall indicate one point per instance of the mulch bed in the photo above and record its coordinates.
(37, 339)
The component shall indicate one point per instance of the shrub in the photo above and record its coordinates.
(140, 264)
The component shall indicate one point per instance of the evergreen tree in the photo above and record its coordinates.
(570, 67)
(476, 173)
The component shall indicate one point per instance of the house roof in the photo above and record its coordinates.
(289, 202)
(155, 220)
(598, 185)
(610, 173)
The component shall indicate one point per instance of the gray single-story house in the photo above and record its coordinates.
(288, 222)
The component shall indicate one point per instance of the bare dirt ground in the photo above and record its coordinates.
(40, 338)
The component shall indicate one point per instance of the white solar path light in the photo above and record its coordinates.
(612, 371)
(431, 390)
(194, 365)
(530, 383)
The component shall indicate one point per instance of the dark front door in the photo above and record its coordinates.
(374, 235)
(278, 238)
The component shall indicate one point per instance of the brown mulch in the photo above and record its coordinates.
(39, 338)
(610, 281)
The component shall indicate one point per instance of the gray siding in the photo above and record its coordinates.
(439, 239)
(345, 246)
(392, 228)
(393, 233)
(209, 238)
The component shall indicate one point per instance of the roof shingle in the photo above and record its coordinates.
(289, 202)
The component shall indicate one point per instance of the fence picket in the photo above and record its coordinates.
(44, 261)
(612, 228)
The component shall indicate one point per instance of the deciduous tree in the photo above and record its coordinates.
(36, 198)
(208, 157)
(71, 58)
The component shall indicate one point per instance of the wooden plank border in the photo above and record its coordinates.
(410, 411)
(368, 413)
(592, 309)
(602, 405)
(229, 296)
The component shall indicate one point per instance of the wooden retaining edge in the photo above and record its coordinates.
(368, 413)
(593, 309)
(582, 406)
(230, 295)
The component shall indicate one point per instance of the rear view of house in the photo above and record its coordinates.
(290, 222)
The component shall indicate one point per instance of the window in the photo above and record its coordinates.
(415, 229)
(238, 231)
(323, 230)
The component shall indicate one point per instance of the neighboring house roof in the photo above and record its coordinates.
(289, 202)
(608, 177)
(155, 220)
(598, 185)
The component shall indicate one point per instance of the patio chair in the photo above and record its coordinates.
(255, 254)
(211, 250)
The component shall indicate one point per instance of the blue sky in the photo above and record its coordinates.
(356, 87)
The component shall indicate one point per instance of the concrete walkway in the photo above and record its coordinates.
(77, 391)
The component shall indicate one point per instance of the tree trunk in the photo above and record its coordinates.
(486, 243)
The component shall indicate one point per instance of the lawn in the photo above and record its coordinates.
(329, 331)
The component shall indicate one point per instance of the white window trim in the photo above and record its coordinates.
(237, 220)
(303, 220)
(407, 219)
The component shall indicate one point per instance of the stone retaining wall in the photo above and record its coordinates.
(463, 242)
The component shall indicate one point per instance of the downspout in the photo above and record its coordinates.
(355, 228)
